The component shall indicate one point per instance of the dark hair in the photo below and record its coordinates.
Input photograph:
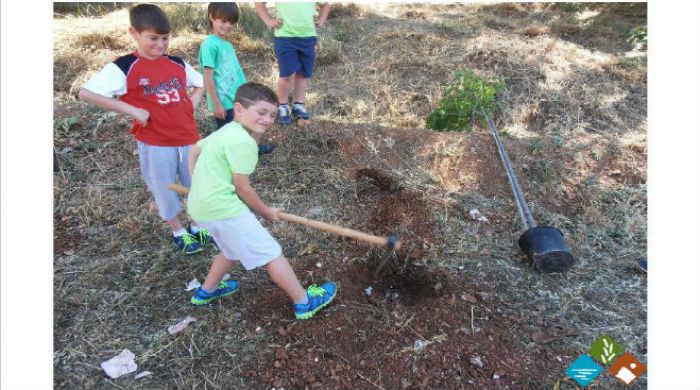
(251, 93)
(225, 11)
(149, 17)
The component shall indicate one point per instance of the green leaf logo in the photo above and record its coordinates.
(605, 350)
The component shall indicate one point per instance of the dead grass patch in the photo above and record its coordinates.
(573, 121)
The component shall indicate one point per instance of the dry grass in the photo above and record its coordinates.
(573, 119)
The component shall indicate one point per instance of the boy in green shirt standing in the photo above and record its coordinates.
(219, 199)
(295, 49)
(220, 67)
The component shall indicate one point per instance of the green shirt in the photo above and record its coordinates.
(297, 20)
(218, 54)
(226, 151)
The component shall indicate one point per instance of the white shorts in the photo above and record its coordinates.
(243, 238)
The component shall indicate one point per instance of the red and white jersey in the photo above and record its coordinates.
(158, 86)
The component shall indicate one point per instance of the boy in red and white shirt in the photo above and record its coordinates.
(151, 87)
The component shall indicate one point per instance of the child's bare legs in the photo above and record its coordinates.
(175, 224)
(283, 275)
(284, 84)
(301, 85)
(220, 267)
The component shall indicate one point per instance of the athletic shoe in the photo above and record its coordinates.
(283, 116)
(299, 112)
(225, 289)
(266, 148)
(187, 243)
(202, 236)
(319, 297)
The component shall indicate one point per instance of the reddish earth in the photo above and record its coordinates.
(419, 327)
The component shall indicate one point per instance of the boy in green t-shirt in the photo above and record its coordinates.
(220, 67)
(295, 49)
(219, 199)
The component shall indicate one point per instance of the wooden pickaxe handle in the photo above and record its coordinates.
(326, 227)
(338, 230)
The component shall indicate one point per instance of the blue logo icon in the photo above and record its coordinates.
(584, 370)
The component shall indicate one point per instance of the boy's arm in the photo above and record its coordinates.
(194, 152)
(247, 194)
(196, 96)
(265, 16)
(110, 104)
(219, 111)
(194, 80)
(323, 14)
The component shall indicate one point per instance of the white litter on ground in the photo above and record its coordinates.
(194, 283)
(120, 364)
(180, 326)
(476, 215)
(142, 374)
(368, 291)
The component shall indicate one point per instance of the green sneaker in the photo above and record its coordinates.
(187, 243)
(319, 297)
(225, 289)
(202, 236)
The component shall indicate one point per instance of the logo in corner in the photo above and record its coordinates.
(584, 370)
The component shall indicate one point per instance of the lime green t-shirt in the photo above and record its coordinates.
(297, 20)
(226, 151)
(218, 54)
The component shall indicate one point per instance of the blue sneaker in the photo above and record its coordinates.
(283, 116)
(225, 289)
(187, 243)
(319, 297)
(299, 112)
(202, 236)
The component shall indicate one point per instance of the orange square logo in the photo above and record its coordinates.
(627, 368)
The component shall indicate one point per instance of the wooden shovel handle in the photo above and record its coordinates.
(326, 227)
(337, 230)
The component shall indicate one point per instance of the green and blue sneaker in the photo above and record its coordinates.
(225, 289)
(319, 297)
(202, 235)
(187, 243)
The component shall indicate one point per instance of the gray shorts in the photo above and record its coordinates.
(161, 166)
(243, 238)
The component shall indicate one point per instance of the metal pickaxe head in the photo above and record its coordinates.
(392, 245)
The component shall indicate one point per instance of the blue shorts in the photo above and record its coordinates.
(295, 55)
(227, 119)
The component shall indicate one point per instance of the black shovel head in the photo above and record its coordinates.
(546, 249)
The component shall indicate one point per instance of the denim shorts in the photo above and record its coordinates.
(227, 119)
(295, 55)
(161, 166)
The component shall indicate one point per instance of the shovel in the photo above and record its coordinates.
(392, 243)
(544, 245)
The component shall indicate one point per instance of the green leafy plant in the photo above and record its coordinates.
(463, 101)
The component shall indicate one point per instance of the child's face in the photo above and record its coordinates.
(221, 27)
(151, 45)
(258, 117)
